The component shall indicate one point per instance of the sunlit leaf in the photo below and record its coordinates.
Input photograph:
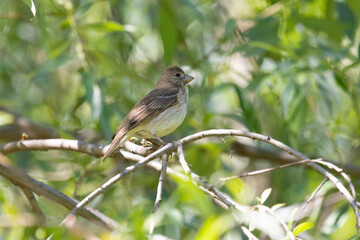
(5, 118)
(302, 227)
(107, 27)
(214, 227)
(277, 206)
(265, 195)
(33, 8)
(31, 5)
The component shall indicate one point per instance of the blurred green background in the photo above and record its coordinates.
(287, 69)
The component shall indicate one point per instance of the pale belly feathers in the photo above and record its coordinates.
(167, 121)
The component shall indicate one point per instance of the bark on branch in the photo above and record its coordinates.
(96, 150)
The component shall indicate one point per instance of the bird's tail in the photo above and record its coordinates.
(119, 138)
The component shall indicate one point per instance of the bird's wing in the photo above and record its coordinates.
(154, 103)
(145, 110)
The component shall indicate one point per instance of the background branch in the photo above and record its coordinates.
(34, 206)
(259, 153)
(24, 181)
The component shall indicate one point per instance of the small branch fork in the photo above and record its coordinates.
(298, 214)
(219, 197)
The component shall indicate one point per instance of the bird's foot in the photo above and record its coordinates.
(159, 139)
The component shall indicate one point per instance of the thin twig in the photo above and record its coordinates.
(34, 206)
(183, 163)
(117, 178)
(224, 132)
(162, 177)
(266, 170)
(158, 167)
(224, 198)
(298, 214)
(198, 181)
(342, 173)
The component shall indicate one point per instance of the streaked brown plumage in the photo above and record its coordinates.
(159, 113)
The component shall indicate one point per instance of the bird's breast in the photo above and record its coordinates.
(167, 121)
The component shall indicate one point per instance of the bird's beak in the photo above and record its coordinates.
(188, 78)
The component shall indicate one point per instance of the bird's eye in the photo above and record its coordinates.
(178, 75)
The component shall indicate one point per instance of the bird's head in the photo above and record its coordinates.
(174, 76)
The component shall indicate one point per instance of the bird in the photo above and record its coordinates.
(159, 113)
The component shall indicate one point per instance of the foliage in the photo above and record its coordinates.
(287, 69)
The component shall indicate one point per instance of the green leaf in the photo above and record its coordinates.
(230, 26)
(107, 26)
(265, 30)
(327, 92)
(287, 96)
(194, 8)
(6, 118)
(247, 50)
(333, 28)
(302, 227)
(355, 237)
(214, 227)
(346, 16)
(52, 65)
(84, 8)
(209, 151)
(168, 32)
(252, 122)
(341, 81)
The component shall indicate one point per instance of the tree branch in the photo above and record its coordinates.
(34, 206)
(117, 178)
(92, 150)
(20, 125)
(223, 197)
(266, 170)
(280, 157)
(298, 213)
(24, 181)
(162, 177)
(255, 136)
